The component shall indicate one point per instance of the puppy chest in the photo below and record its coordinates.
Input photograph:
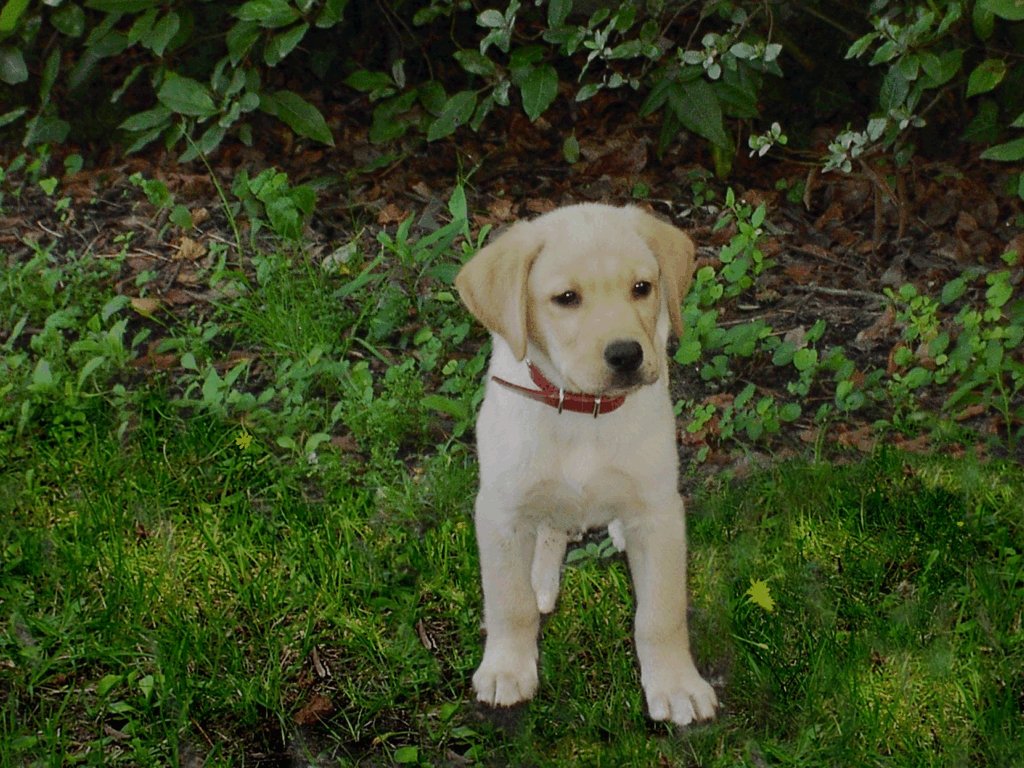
(579, 491)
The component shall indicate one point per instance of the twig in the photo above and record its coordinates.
(851, 293)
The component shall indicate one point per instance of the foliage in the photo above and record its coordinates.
(962, 341)
(193, 73)
(972, 350)
(73, 348)
(926, 49)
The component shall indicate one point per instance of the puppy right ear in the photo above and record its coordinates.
(493, 284)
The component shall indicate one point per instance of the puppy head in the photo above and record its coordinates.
(591, 290)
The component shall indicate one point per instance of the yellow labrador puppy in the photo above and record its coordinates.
(576, 431)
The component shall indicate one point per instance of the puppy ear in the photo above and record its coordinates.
(674, 251)
(493, 284)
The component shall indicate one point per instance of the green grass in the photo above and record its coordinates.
(167, 594)
(263, 555)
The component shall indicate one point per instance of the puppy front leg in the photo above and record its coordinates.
(547, 566)
(656, 548)
(508, 672)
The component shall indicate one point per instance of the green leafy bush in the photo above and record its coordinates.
(970, 50)
(191, 73)
(961, 342)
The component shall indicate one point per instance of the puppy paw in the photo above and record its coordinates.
(547, 597)
(505, 679)
(679, 695)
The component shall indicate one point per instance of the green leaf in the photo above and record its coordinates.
(50, 71)
(284, 43)
(953, 290)
(1013, 10)
(894, 90)
(917, 377)
(268, 13)
(89, 368)
(186, 96)
(446, 405)
(984, 127)
(861, 45)
(144, 121)
(999, 293)
(491, 19)
(107, 683)
(571, 149)
(365, 81)
(9, 117)
(689, 351)
(333, 11)
(475, 62)
(588, 91)
(783, 354)
(42, 375)
(1010, 152)
(790, 412)
(144, 138)
(539, 89)
(12, 65)
(240, 39)
(12, 11)
(405, 755)
(805, 358)
(941, 69)
(44, 129)
(986, 76)
(162, 34)
(558, 12)
(697, 109)
(69, 20)
(458, 110)
(181, 217)
(298, 114)
(983, 21)
(142, 26)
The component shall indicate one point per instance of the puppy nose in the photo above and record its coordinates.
(624, 356)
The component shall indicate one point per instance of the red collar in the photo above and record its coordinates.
(556, 397)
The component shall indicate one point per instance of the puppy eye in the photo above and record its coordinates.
(567, 299)
(642, 289)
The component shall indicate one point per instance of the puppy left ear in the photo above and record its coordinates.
(674, 251)
(493, 284)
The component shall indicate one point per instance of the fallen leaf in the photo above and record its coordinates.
(970, 412)
(883, 326)
(145, 305)
(862, 438)
(315, 710)
(760, 595)
(800, 274)
(391, 214)
(919, 444)
(502, 209)
(540, 205)
(190, 250)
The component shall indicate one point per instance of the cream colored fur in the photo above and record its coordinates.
(546, 476)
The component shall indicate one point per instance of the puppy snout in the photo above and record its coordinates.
(624, 357)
